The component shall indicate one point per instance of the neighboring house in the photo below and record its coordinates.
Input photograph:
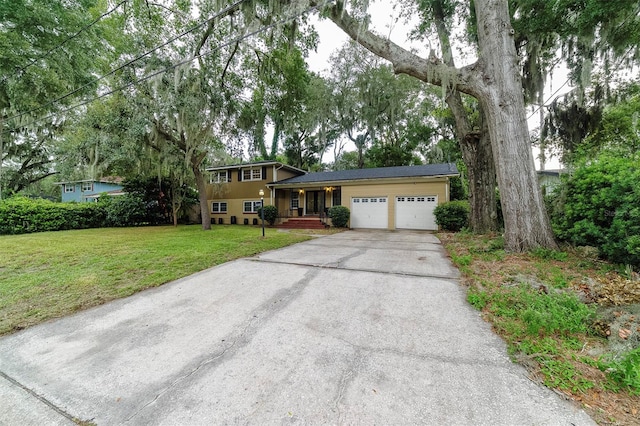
(90, 190)
(549, 180)
(384, 198)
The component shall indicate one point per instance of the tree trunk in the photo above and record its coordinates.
(475, 145)
(202, 191)
(496, 82)
(526, 221)
(481, 172)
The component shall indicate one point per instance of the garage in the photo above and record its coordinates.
(369, 212)
(416, 212)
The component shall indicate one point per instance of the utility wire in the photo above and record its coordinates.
(126, 64)
(545, 103)
(65, 41)
(183, 62)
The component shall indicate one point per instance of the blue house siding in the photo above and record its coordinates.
(86, 191)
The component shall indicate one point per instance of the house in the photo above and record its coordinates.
(384, 198)
(549, 180)
(90, 190)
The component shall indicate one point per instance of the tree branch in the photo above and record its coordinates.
(432, 70)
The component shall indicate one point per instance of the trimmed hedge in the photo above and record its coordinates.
(21, 215)
(339, 216)
(452, 216)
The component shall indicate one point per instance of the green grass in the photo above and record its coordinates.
(51, 274)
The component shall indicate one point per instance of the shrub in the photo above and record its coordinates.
(452, 216)
(599, 208)
(339, 216)
(124, 210)
(21, 215)
(270, 214)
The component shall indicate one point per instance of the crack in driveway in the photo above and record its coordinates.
(267, 310)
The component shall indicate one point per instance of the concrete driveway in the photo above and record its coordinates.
(353, 328)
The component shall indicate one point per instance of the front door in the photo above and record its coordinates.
(315, 202)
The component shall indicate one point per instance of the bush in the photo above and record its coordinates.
(339, 216)
(20, 215)
(124, 210)
(270, 214)
(452, 216)
(599, 207)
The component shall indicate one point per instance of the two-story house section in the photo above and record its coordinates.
(89, 190)
(234, 191)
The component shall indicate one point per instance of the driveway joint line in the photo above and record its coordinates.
(336, 266)
(41, 398)
(240, 338)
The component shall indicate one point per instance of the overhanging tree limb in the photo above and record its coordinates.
(431, 70)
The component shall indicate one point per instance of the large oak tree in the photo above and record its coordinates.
(495, 81)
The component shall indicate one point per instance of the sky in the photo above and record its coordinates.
(383, 20)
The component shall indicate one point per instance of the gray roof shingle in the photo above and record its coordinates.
(428, 170)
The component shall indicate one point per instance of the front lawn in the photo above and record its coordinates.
(51, 274)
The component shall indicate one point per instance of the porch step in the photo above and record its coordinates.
(302, 223)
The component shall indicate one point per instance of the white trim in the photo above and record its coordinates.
(255, 204)
(219, 203)
(216, 176)
(251, 171)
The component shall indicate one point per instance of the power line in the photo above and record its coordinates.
(65, 41)
(183, 62)
(126, 64)
(545, 103)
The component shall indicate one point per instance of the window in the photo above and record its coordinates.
(69, 188)
(219, 207)
(356, 200)
(383, 200)
(365, 200)
(220, 177)
(337, 197)
(421, 199)
(401, 199)
(295, 200)
(374, 200)
(87, 186)
(431, 199)
(251, 174)
(251, 206)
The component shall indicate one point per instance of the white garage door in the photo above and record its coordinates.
(416, 212)
(369, 212)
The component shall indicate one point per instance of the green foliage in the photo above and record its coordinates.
(270, 214)
(20, 215)
(452, 216)
(624, 371)
(124, 210)
(458, 190)
(563, 375)
(540, 313)
(339, 216)
(601, 208)
(549, 254)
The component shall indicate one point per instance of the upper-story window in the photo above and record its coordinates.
(69, 187)
(221, 176)
(87, 186)
(252, 174)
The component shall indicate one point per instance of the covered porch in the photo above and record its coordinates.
(305, 206)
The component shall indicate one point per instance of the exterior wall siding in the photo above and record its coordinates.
(80, 196)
